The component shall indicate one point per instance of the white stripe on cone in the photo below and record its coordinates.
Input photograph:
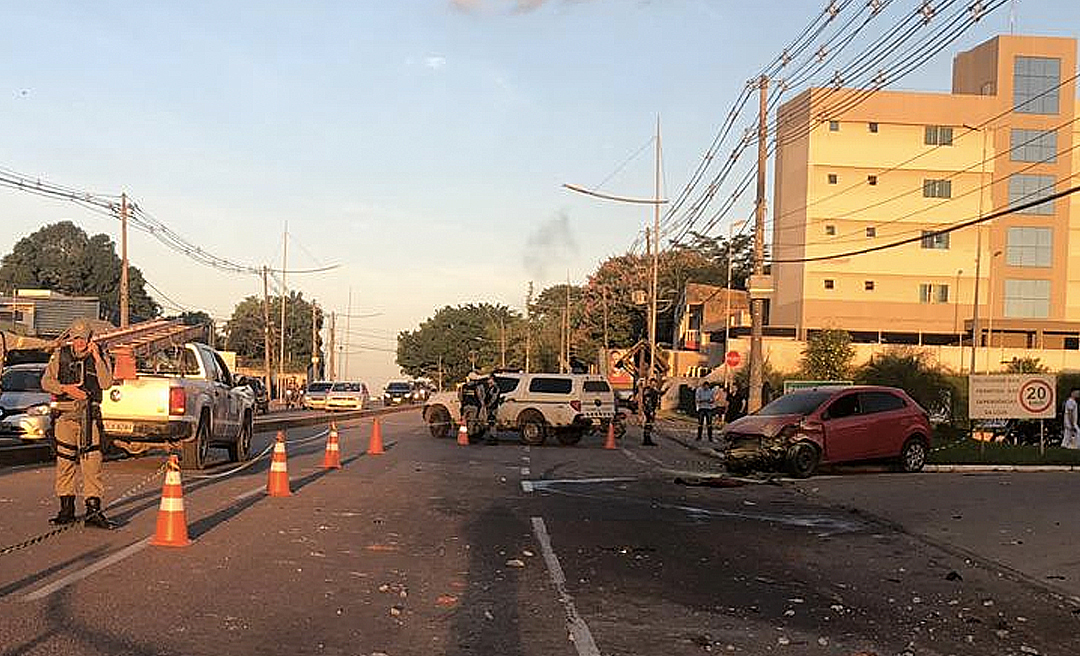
(172, 504)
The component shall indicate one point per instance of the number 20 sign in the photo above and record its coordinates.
(1012, 396)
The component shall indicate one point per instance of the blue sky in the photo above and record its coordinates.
(420, 143)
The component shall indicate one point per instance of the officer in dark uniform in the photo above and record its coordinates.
(650, 403)
(77, 375)
(491, 396)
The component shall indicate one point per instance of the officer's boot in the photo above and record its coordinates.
(94, 516)
(67, 511)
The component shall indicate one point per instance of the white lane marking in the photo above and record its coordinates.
(633, 456)
(250, 493)
(526, 486)
(581, 481)
(81, 574)
(524, 471)
(579, 630)
(527, 448)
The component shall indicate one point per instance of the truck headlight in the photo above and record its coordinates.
(41, 410)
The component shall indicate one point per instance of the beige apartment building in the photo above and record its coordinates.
(904, 165)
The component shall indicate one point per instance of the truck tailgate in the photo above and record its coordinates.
(146, 398)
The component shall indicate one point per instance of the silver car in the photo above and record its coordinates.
(25, 412)
(315, 396)
(347, 396)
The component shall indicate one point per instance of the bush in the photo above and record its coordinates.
(910, 369)
(828, 355)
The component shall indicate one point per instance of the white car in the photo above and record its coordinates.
(24, 406)
(347, 395)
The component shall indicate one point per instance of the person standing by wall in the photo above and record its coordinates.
(705, 404)
(77, 375)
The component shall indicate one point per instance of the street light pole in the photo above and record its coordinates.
(990, 312)
(656, 258)
(976, 329)
(956, 319)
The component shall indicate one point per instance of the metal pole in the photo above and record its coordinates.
(348, 326)
(656, 258)
(330, 351)
(976, 329)
(266, 327)
(124, 282)
(956, 319)
(727, 309)
(314, 341)
(757, 306)
(284, 294)
(502, 343)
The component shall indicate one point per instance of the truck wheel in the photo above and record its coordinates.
(569, 437)
(240, 450)
(533, 429)
(195, 452)
(439, 422)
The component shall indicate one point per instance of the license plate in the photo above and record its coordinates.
(113, 426)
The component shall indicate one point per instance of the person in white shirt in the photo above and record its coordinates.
(704, 403)
(1070, 433)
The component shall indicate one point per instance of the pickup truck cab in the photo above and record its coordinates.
(184, 396)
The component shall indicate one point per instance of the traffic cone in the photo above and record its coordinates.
(278, 484)
(375, 445)
(463, 434)
(332, 457)
(171, 520)
(609, 443)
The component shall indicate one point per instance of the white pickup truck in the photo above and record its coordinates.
(183, 396)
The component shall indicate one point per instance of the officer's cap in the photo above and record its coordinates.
(80, 328)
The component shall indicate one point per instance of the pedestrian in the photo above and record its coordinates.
(736, 404)
(492, 396)
(705, 404)
(77, 375)
(1070, 430)
(650, 400)
(721, 399)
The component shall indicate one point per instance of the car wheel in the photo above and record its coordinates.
(195, 452)
(533, 429)
(439, 422)
(802, 460)
(913, 455)
(241, 449)
(569, 437)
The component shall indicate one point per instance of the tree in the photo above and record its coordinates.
(1026, 366)
(246, 336)
(63, 258)
(717, 250)
(911, 370)
(460, 339)
(828, 355)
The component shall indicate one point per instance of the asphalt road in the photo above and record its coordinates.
(435, 548)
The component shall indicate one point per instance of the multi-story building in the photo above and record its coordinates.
(905, 165)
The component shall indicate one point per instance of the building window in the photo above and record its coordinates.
(871, 180)
(935, 240)
(933, 293)
(871, 231)
(830, 230)
(1029, 247)
(937, 188)
(834, 126)
(938, 135)
(1027, 299)
(868, 285)
(872, 127)
(830, 283)
(833, 179)
(1028, 188)
(1033, 146)
(1036, 83)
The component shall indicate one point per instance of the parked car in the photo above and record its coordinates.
(315, 395)
(262, 398)
(347, 395)
(828, 425)
(398, 392)
(25, 412)
(537, 405)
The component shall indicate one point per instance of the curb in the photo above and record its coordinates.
(967, 469)
(24, 454)
(703, 450)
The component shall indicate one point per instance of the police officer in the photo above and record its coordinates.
(650, 403)
(491, 396)
(77, 375)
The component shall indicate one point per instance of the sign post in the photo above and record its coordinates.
(1012, 396)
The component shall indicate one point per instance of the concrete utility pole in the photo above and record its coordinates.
(656, 258)
(330, 352)
(757, 305)
(284, 294)
(314, 343)
(124, 283)
(266, 327)
(976, 329)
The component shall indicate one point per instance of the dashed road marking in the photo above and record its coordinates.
(81, 574)
(579, 630)
(524, 471)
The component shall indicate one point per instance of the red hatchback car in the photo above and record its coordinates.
(827, 425)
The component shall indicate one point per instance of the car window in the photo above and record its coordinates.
(796, 403)
(546, 385)
(223, 370)
(597, 386)
(398, 387)
(175, 360)
(22, 380)
(506, 385)
(845, 406)
(870, 402)
(318, 387)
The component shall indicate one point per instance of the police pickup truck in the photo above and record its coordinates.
(183, 396)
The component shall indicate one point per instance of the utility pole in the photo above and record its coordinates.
(124, 283)
(314, 344)
(284, 294)
(502, 342)
(348, 330)
(266, 327)
(567, 315)
(976, 329)
(656, 258)
(330, 352)
(757, 305)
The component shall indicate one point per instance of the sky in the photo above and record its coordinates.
(419, 144)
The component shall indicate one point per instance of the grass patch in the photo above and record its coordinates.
(972, 452)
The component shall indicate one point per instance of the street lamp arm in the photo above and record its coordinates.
(620, 199)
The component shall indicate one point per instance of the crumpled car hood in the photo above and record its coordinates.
(761, 425)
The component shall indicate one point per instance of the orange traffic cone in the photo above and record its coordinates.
(278, 484)
(375, 445)
(332, 457)
(609, 443)
(171, 520)
(463, 433)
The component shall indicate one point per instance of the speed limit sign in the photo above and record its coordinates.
(1037, 396)
(1012, 396)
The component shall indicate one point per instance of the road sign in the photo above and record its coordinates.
(790, 385)
(1012, 396)
(733, 358)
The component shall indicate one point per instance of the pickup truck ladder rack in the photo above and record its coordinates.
(142, 339)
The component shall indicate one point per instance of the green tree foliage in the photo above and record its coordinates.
(912, 370)
(828, 355)
(1026, 366)
(245, 331)
(717, 250)
(460, 339)
(63, 258)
